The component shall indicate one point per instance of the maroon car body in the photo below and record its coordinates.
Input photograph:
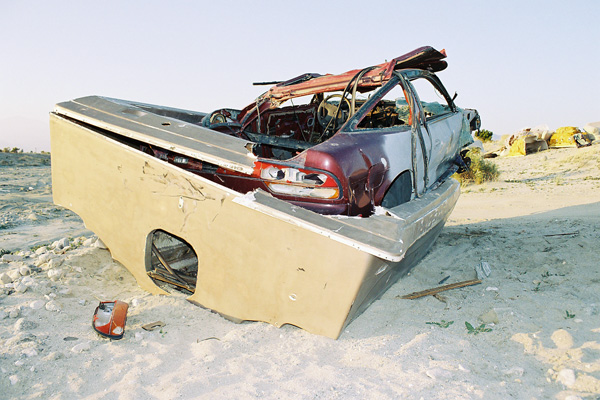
(348, 148)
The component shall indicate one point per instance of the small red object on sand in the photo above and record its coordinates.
(109, 319)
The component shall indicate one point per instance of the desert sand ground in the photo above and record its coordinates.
(537, 227)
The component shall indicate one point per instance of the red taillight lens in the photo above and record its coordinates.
(299, 182)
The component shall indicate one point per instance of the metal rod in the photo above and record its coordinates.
(428, 292)
(160, 277)
(188, 281)
(165, 264)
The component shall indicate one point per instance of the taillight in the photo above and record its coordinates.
(299, 182)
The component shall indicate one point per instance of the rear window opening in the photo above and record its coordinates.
(172, 264)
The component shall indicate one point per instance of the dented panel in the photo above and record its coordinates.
(257, 260)
(127, 119)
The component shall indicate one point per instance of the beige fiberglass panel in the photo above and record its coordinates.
(251, 265)
(127, 120)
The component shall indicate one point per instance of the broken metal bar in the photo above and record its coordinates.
(165, 264)
(563, 234)
(266, 83)
(208, 338)
(153, 325)
(159, 277)
(428, 292)
(165, 274)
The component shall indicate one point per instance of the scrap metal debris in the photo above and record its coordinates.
(428, 292)
(153, 325)
(110, 318)
(563, 234)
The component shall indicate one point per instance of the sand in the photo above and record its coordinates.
(537, 228)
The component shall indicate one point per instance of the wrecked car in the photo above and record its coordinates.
(324, 190)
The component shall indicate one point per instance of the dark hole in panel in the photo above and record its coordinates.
(173, 263)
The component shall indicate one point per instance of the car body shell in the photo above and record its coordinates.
(248, 211)
(363, 162)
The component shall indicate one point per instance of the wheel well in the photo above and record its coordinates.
(399, 192)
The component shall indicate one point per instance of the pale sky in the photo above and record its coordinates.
(520, 63)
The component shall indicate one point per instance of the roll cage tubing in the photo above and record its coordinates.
(424, 58)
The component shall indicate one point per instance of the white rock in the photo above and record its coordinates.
(44, 258)
(25, 270)
(15, 312)
(14, 274)
(23, 325)
(55, 262)
(41, 250)
(37, 304)
(136, 302)
(14, 379)
(82, 302)
(81, 347)
(11, 258)
(20, 363)
(32, 217)
(30, 352)
(28, 280)
(491, 289)
(62, 243)
(438, 373)
(55, 274)
(4, 278)
(566, 377)
(53, 305)
(88, 242)
(3, 314)
(21, 287)
(100, 244)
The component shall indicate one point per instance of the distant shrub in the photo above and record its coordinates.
(12, 150)
(484, 135)
(481, 170)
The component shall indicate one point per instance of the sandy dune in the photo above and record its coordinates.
(537, 227)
